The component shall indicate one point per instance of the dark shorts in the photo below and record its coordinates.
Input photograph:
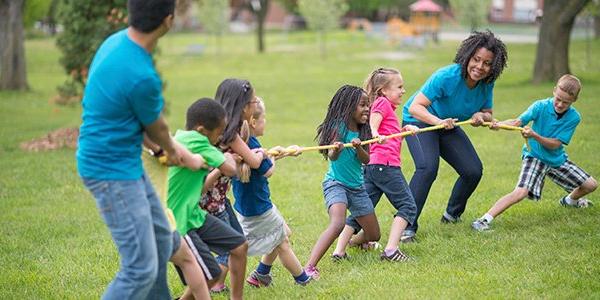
(389, 181)
(176, 242)
(568, 176)
(356, 199)
(214, 236)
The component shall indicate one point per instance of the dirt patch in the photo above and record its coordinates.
(60, 138)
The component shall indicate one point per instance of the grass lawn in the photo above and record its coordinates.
(53, 243)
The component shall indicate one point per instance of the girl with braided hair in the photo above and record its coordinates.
(347, 121)
(457, 92)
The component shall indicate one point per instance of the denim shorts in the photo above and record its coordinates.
(356, 199)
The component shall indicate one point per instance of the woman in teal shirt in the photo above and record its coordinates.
(457, 92)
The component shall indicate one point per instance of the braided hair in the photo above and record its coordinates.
(340, 111)
(378, 80)
(486, 40)
(234, 95)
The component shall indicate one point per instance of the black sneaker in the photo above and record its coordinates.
(396, 256)
(448, 219)
(338, 258)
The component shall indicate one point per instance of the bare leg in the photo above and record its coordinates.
(507, 201)
(370, 227)
(221, 280)
(237, 266)
(197, 285)
(343, 239)
(337, 219)
(289, 259)
(398, 226)
(587, 187)
(268, 259)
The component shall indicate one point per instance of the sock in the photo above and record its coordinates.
(487, 218)
(263, 269)
(389, 252)
(302, 277)
(570, 201)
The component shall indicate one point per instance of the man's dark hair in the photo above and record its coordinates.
(204, 112)
(147, 15)
(486, 40)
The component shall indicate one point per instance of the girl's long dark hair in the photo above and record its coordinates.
(340, 111)
(234, 95)
(486, 40)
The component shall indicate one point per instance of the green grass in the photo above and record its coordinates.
(53, 243)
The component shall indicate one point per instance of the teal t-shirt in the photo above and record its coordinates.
(547, 123)
(347, 169)
(123, 94)
(185, 185)
(451, 97)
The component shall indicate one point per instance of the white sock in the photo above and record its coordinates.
(570, 201)
(487, 218)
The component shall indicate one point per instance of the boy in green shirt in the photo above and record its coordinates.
(205, 122)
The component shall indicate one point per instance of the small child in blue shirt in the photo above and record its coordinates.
(264, 227)
(554, 122)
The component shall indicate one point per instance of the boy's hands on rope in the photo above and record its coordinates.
(528, 132)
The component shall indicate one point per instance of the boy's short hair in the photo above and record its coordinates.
(204, 112)
(147, 15)
(569, 84)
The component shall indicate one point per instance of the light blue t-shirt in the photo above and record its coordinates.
(547, 124)
(123, 94)
(347, 169)
(451, 97)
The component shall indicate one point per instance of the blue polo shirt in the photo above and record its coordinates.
(123, 94)
(347, 169)
(547, 124)
(451, 97)
(254, 197)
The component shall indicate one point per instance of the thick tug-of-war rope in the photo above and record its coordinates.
(273, 152)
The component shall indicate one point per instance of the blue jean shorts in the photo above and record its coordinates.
(356, 199)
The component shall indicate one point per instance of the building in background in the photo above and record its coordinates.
(516, 11)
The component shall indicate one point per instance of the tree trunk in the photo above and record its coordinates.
(260, 8)
(552, 58)
(12, 52)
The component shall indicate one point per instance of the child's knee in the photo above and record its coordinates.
(337, 227)
(520, 193)
(285, 245)
(590, 185)
(241, 250)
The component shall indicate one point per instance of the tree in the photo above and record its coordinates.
(260, 8)
(13, 74)
(86, 24)
(214, 16)
(552, 57)
(472, 13)
(322, 15)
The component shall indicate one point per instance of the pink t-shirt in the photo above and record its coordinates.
(387, 153)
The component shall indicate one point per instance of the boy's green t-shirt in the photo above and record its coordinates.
(185, 185)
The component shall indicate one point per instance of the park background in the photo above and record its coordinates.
(53, 244)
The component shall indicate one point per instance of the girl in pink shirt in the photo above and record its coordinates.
(383, 175)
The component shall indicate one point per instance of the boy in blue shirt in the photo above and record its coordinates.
(554, 122)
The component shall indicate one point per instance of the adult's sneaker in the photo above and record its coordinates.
(581, 203)
(480, 225)
(259, 280)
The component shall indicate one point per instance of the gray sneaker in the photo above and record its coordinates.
(480, 225)
(581, 203)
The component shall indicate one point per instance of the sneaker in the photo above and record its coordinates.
(220, 289)
(259, 280)
(368, 246)
(305, 282)
(312, 272)
(448, 219)
(396, 256)
(581, 203)
(480, 225)
(337, 257)
(408, 236)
